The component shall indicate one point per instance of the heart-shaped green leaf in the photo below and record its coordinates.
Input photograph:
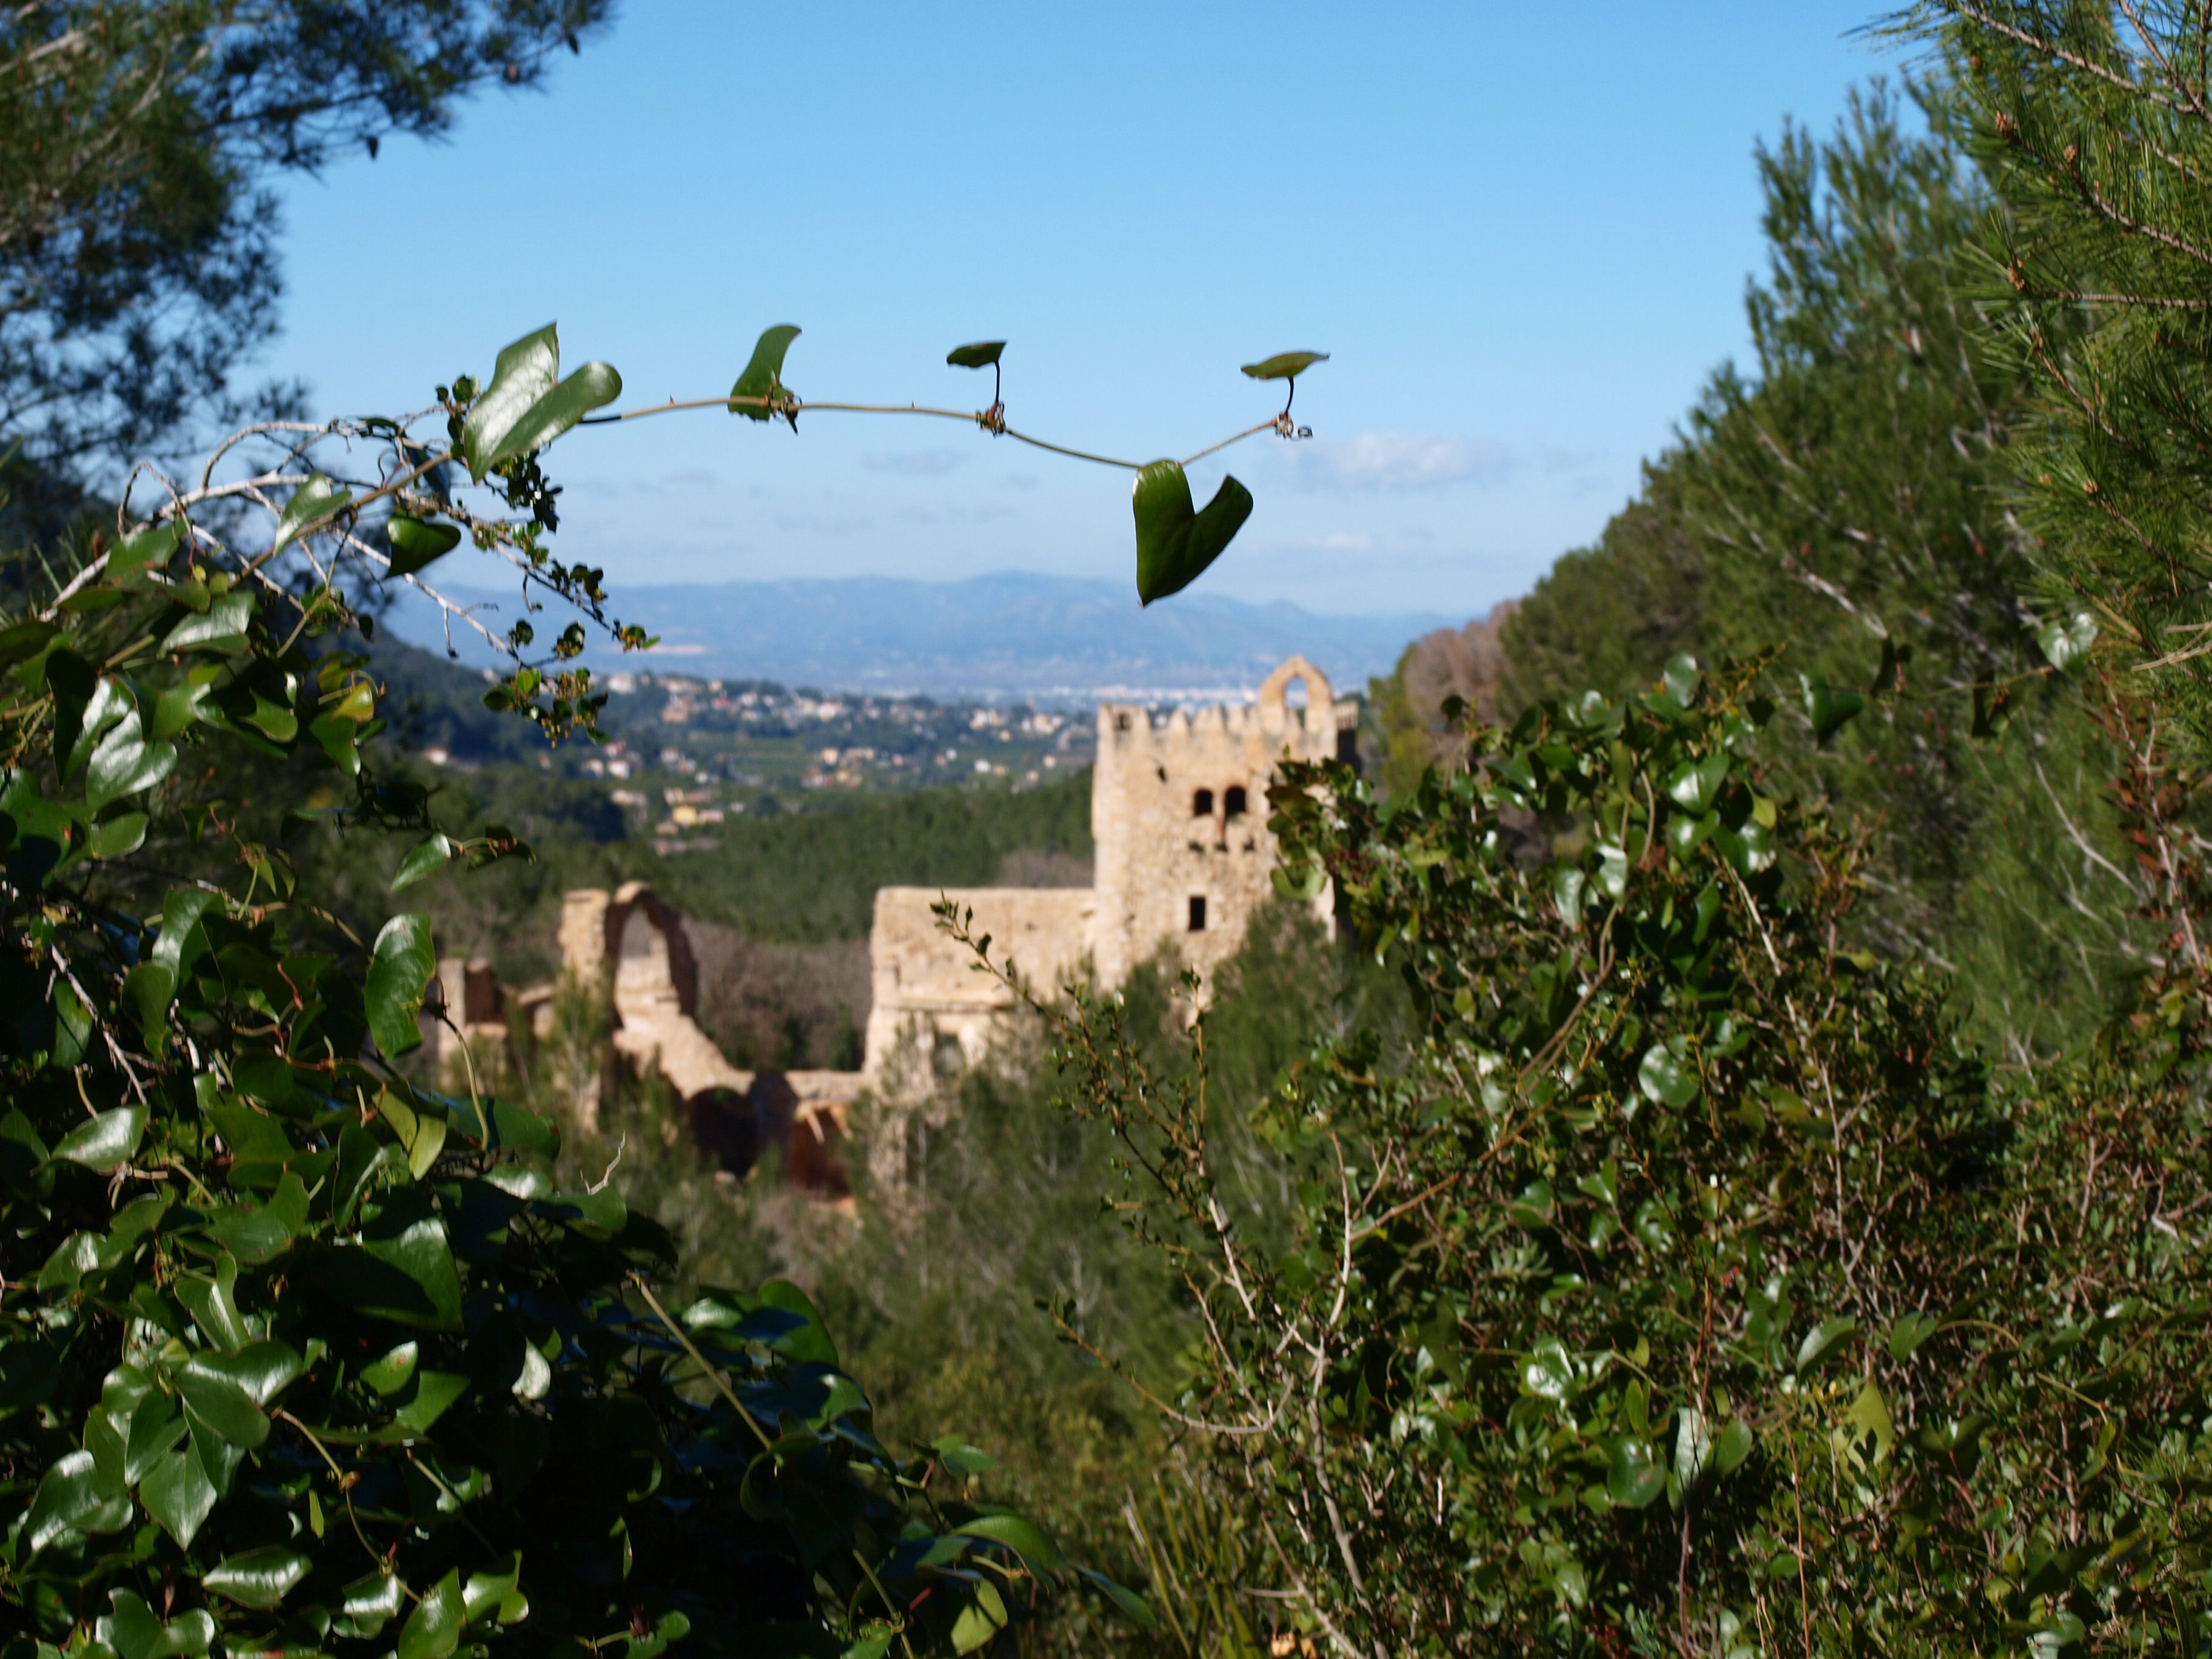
(430, 857)
(981, 355)
(1174, 544)
(2067, 641)
(399, 969)
(528, 405)
(1666, 1076)
(258, 1578)
(312, 502)
(1284, 365)
(592, 386)
(1823, 1339)
(1632, 1478)
(148, 548)
(104, 1141)
(415, 544)
(1828, 710)
(763, 374)
(1733, 1446)
(434, 1629)
(221, 627)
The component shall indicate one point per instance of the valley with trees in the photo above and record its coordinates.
(1708, 1151)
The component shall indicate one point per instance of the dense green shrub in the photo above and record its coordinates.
(1695, 1287)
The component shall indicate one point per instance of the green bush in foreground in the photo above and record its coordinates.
(1695, 1289)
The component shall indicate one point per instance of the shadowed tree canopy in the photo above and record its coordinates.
(137, 233)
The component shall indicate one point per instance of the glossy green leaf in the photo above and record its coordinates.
(404, 1269)
(1694, 1446)
(144, 550)
(177, 1494)
(368, 1604)
(399, 971)
(110, 700)
(118, 837)
(136, 1631)
(430, 857)
(591, 386)
(213, 1306)
(105, 1141)
(1824, 1339)
(1548, 1372)
(258, 1578)
(1131, 1605)
(1025, 1536)
(763, 371)
(1633, 1478)
(981, 355)
(394, 1370)
(68, 1493)
(416, 543)
(963, 1459)
(178, 706)
(1666, 1076)
(1732, 1445)
(809, 1342)
(1828, 710)
(1174, 545)
(981, 1619)
(1694, 785)
(221, 627)
(434, 1629)
(1284, 365)
(1912, 1330)
(2067, 641)
(1869, 1417)
(222, 1403)
(312, 502)
(525, 370)
(125, 763)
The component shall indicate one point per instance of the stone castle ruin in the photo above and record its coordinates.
(1178, 814)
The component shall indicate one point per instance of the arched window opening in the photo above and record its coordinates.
(1233, 801)
(1202, 804)
(1197, 913)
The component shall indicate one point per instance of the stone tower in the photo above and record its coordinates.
(1179, 815)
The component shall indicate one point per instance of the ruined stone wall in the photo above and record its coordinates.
(1179, 813)
(924, 986)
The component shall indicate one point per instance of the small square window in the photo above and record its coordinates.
(1233, 802)
(1197, 913)
(1202, 804)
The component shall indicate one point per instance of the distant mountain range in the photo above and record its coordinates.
(1051, 638)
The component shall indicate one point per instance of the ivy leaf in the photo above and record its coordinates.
(1870, 1416)
(430, 857)
(1131, 1604)
(1823, 1339)
(104, 1141)
(258, 1578)
(1632, 1478)
(1022, 1535)
(1284, 365)
(125, 763)
(416, 543)
(981, 355)
(2067, 642)
(1910, 1331)
(399, 969)
(68, 1493)
(1174, 545)
(434, 1629)
(982, 1618)
(1733, 1446)
(764, 371)
(148, 547)
(178, 1493)
(220, 628)
(528, 405)
(134, 1632)
(222, 1403)
(1828, 710)
(313, 501)
(1664, 1076)
(118, 837)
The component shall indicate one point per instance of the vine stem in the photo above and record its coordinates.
(721, 1383)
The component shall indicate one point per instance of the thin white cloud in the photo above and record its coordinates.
(1397, 461)
(926, 462)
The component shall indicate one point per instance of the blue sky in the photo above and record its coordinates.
(1522, 231)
